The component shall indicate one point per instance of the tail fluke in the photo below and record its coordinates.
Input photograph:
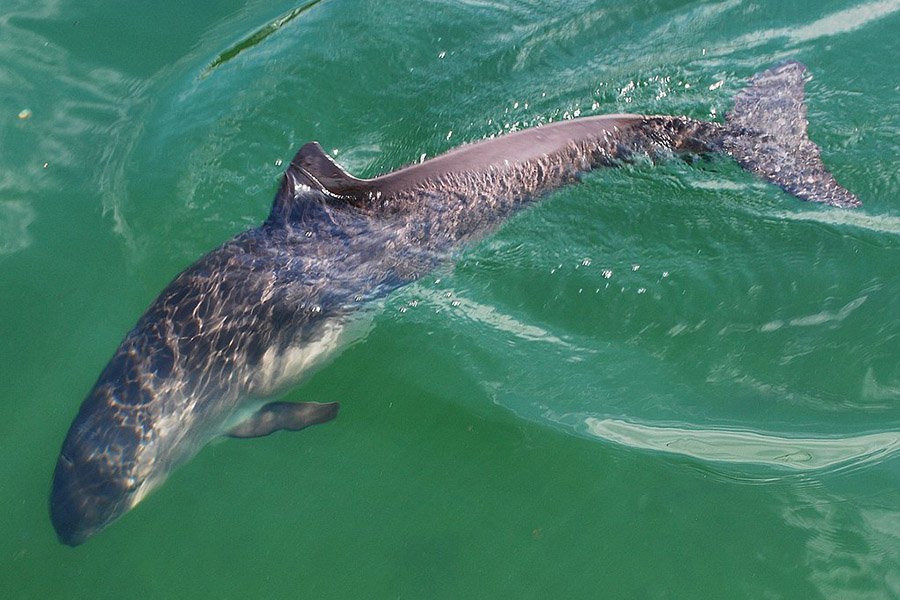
(766, 134)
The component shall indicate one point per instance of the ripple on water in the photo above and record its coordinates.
(749, 448)
(876, 223)
(82, 126)
(15, 218)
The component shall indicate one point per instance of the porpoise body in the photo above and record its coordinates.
(254, 317)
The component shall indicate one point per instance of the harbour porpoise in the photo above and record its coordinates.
(252, 318)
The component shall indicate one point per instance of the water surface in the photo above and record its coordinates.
(665, 382)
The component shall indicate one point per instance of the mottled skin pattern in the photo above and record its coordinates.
(780, 151)
(259, 313)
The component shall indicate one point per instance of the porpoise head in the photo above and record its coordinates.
(175, 382)
(108, 460)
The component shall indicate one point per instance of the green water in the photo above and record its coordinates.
(666, 382)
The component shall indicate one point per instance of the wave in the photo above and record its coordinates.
(878, 223)
(746, 447)
(459, 306)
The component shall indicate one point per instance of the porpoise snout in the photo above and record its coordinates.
(83, 500)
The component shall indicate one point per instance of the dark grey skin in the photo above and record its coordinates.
(257, 315)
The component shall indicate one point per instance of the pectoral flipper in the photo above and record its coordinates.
(290, 416)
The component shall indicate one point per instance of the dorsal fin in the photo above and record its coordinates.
(296, 195)
(311, 179)
(321, 169)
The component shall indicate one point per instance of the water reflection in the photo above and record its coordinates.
(15, 217)
(852, 542)
(842, 21)
(72, 104)
(746, 447)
